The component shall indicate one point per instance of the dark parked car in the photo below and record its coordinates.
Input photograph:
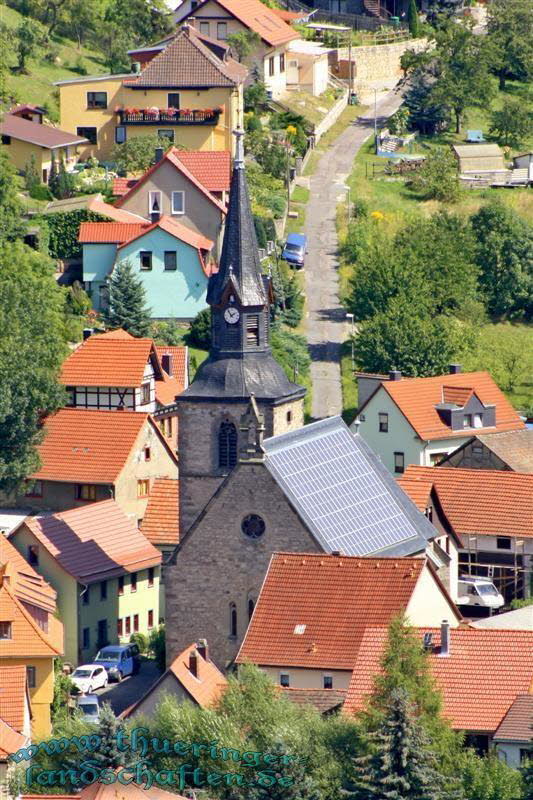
(295, 249)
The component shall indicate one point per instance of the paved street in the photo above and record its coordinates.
(326, 325)
(124, 694)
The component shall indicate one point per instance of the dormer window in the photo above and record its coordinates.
(478, 420)
(467, 420)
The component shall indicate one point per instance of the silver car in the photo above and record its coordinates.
(89, 706)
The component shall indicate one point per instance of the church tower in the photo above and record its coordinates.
(240, 363)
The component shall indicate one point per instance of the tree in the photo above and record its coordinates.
(113, 41)
(405, 336)
(438, 178)
(505, 257)
(425, 114)
(255, 96)
(527, 774)
(31, 176)
(401, 764)
(412, 18)
(12, 225)
(32, 349)
(138, 153)
(157, 644)
(243, 43)
(199, 334)
(488, 778)
(510, 39)
(512, 124)
(28, 39)
(108, 755)
(462, 71)
(127, 302)
(62, 183)
(440, 11)
(144, 20)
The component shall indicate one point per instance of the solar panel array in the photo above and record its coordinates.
(340, 491)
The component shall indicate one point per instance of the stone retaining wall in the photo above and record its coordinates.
(374, 63)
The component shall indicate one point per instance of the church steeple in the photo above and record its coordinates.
(239, 271)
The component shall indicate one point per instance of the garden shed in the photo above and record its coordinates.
(479, 158)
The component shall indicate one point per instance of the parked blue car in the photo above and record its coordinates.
(295, 249)
(119, 660)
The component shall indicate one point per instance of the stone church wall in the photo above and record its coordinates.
(218, 565)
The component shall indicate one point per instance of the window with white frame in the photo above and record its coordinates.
(154, 202)
(178, 202)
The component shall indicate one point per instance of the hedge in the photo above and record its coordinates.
(64, 227)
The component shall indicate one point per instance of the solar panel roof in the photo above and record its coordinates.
(344, 494)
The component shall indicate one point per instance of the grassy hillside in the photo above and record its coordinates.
(63, 60)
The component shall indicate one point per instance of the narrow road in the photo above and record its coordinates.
(326, 326)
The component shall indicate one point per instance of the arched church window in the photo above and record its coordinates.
(251, 606)
(227, 445)
(232, 619)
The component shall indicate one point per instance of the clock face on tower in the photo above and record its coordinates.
(231, 315)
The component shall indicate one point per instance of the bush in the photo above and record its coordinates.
(168, 333)
(252, 123)
(290, 351)
(41, 192)
(255, 96)
(141, 640)
(438, 178)
(64, 230)
(199, 334)
(157, 645)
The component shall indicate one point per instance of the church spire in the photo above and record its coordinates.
(239, 270)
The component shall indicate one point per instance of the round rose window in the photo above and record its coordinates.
(253, 526)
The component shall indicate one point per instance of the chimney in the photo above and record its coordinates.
(444, 638)
(159, 153)
(202, 649)
(395, 375)
(454, 369)
(166, 363)
(86, 333)
(335, 552)
(193, 663)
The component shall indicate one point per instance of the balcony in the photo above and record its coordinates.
(168, 116)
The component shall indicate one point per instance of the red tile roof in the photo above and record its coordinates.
(110, 232)
(89, 446)
(257, 17)
(417, 397)
(179, 355)
(160, 523)
(204, 689)
(104, 360)
(10, 739)
(94, 541)
(102, 791)
(97, 205)
(121, 186)
(517, 725)
(35, 133)
(480, 679)
(27, 585)
(199, 168)
(188, 62)
(333, 598)
(288, 16)
(458, 395)
(166, 389)
(418, 490)
(478, 501)
(27, 638)
(12, 695)
(121, 233)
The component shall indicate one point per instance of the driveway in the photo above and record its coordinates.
(326, 326)
(122, 695)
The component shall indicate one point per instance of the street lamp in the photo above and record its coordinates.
(350, 318)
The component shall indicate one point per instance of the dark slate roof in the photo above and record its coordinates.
(239, 377)
(324, 700)
(515, 448)
(239, 262)
(344, 494)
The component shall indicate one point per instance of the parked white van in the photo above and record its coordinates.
(475, 591)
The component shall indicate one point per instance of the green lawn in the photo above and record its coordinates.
(300, 194)
(314, 109)
(37, 87)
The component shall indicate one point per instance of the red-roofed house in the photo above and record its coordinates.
(489, 511)
(421, 420)
(191, 187)
(514, 737)
(480, 674)
(312, 611)
(105, 571)
(15, 715)
(31, 638)
(219, 19)
(191, 676)
(172, 261)
(93, 455)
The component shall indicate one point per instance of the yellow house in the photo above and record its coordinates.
(189, 94)
(23, 139)
(15, 717)
(105, 571)
(31, 635)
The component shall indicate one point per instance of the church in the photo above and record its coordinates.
(253, 480)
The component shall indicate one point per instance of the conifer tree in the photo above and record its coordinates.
(401, 764)
(412, 18)
(127, 302)
(108, 755)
